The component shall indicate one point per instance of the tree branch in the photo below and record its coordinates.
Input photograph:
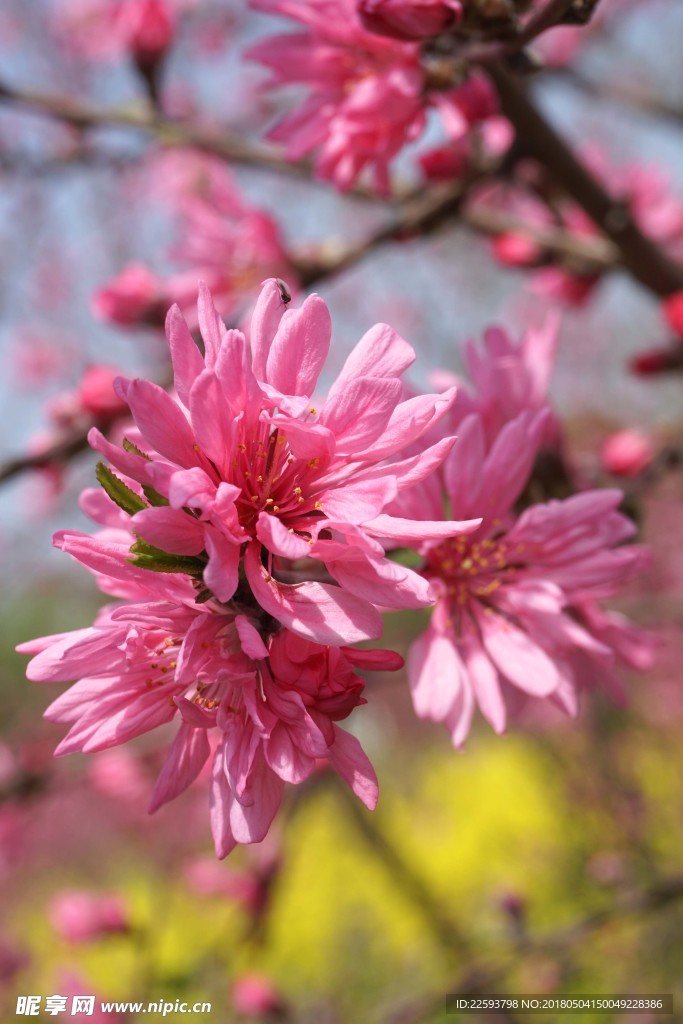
(168, 132)
(638, 253)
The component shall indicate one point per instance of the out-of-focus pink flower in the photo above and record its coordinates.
(107, 29)
(409, 19)
(38, 356)
(92, 400)
(518, 614)
(118, 775)
(208, 878)
(223, 240)
(507, 377)
(369, 94)
(477, 132)
(80, 916)
(672, 307)
(134, 296)
(96, 393)
(627, 452)
(571, 280)
(254, 995)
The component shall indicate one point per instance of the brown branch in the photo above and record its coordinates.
(597, 253)
(408, 882)
(554, 13)
(638, 253)
(169, 132)
(56, 454)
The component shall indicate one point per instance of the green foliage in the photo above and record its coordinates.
(119, 492)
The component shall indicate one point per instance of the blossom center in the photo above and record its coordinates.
(472, 569)
(273, 480)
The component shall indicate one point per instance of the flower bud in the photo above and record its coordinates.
(409, 19)
(626, 452)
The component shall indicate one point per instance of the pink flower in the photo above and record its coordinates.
(92, 400)
(107, 29)
(672, 307)
(254, 995)
(267, 708)
(572, 280)
(250, 477)
(222, 239)
(627, 452)
(518, 611)
(409, 19)
(369, 94)
(507, 378)
(234, 498)
(81, 916)
(134, 296)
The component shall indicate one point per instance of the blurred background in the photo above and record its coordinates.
(544, 861)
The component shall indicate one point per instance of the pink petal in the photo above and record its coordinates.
(409, 530)
(409, 421)
(435, 673)
(161, 422)
(221, 800)
(210, 325)
(275, 536)
(221, 573)
(186, 357)
(315, 611)
(516, 656)
(300, 348)
(250, 638)
(265, 321)
(170, 529)
(358, 414)
(214, 430)
(348, 758)
(250, 822)
(186, 758)
(383, 583)
(381, 352)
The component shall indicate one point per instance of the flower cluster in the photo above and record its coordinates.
(245, 526)
(222, 239)
(370, 94)
(518, 612)
(242, 535)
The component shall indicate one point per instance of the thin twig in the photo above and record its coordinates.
(409, 883)
(169, 132)
(482, 976)
(620, 91)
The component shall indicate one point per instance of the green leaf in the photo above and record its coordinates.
(153, 497)
(168, 563)
(157, 560)
(119, 492)
(133, 449)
